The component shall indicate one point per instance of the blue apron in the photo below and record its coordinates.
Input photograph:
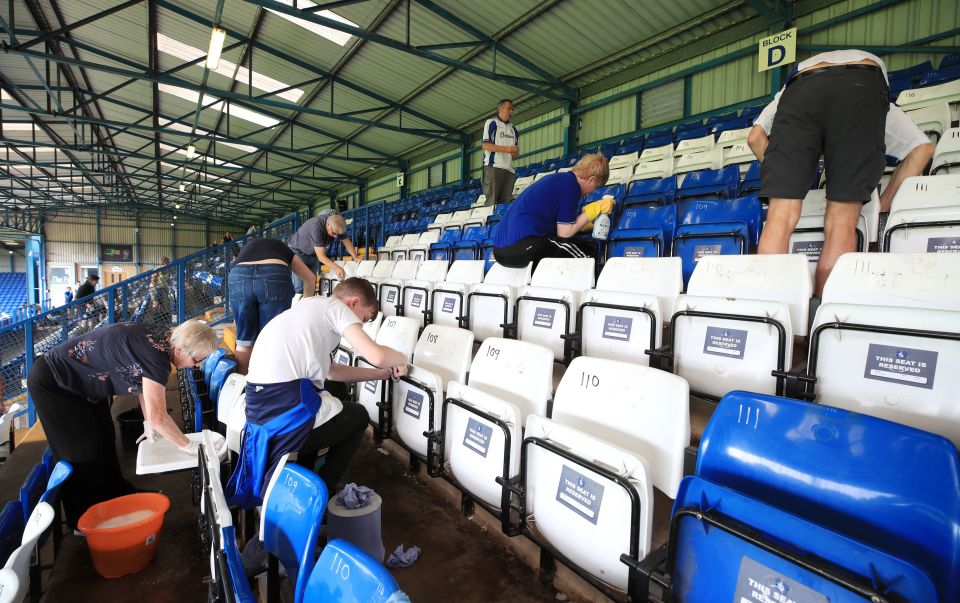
(270, 433)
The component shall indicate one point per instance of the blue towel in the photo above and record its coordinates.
(403, 558)
(354, 497)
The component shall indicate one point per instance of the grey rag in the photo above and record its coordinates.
(354, 497)
(403, 558)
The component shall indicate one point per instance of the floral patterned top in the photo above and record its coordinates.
(111, 360)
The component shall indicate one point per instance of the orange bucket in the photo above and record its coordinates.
(123, 533)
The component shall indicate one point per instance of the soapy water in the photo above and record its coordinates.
(125, 520)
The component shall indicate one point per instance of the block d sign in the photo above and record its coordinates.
(778, 50)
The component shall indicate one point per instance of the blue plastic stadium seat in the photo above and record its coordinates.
(487, 251)
(686, 127)
(293, 507)
(886, 525)
(698, 132)
(659, 138)
(60, 473)
(702, 184)
(651, 191)
(716, 119)
(736, 123)
(443, 248)
(631, 147)
(715, 227)
(617, 191)
(11, 528)
(643, 232)
(469, 246)
(235, 579)
(210, 363)
(939, 76)
(950, 60)
(224, 369)
(751, 180)
(32, 489)
(344, 572)
(752, 112)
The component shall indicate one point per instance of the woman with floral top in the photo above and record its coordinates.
(71, 387)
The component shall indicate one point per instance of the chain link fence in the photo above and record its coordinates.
(192, 287)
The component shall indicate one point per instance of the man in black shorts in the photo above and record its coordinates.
(835, 105)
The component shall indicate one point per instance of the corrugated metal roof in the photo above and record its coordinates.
(573, 41)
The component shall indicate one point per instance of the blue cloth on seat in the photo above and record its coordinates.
(269, 435)
(355, 497)
(403, 558)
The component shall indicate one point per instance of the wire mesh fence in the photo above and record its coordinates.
(192, 287)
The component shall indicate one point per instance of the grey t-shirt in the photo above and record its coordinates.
(312, 234)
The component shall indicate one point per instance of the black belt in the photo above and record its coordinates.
(847, 67)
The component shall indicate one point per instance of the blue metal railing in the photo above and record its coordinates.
(193, 286)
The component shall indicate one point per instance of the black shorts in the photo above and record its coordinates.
(839, 112)
(534, 249)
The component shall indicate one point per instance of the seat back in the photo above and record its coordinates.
(19, 560)
(366, 268)
(11, 528)
(644, 410)
(889, 372)
(715, 564)
(448, 299)
(651, 153)
(293, 507)
(716, 227)
(513, 277)
(468, 272)
(783, 278)
(651, 191)
(564, 273)
(223, 370)
(705, 160)
(59, 474)
(911, 280)
(546, 309)
(229, 394)
(514, 371)
(491, 302)
(399, 333)
(32, 489)
(848, 472)
(210, 363)
(946, 157)
(658, 168)
(653, 276)
(643, 232)
(345, 572)
(710, 183)
(446, 352)
(383, 269)
(580, 512)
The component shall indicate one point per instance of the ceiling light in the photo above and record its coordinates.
(191, 151)
(171, 224)
(334, 35)
(175, 216)
(183, 187)
(177, 206)
(217, 105)
(181, 127)
(185, 52)
(217, 36)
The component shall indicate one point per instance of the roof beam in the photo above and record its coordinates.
(541, 87)
(50, 35)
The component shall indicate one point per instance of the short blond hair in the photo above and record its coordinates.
(593, 164)
(337, 224)
(195, 338)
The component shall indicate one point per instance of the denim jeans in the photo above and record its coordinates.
(258, 292)
(313, 263)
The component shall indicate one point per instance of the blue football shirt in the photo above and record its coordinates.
(550, 201)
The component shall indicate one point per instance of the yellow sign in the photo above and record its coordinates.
(778, 50)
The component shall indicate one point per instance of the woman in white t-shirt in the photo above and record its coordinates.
(288, 369)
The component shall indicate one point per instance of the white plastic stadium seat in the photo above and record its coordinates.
(705, 160)
(542, 175)
(480, 202)
(644, 410)
(521, 184)
(383, 252)
(400, 334)
(625, 160)
(382, 270)
(448, 299)
(420, 250)
(781, 277)
(738, 154)
(902, 280)
(365, 269)
(490, 304)
(889, 373)
(933, 120)
(580, 512)
(649, 286)
(925, 216)
(695, 145)
(807, 237)
(345, 352)
(927, 96)
(417, 292)
(621, 175)
(442, 355)
(516, 371)
(659, 168)
(657, 153)
(720, 344)
(546, 309)
(946, 157)
(402, 250)
(229, 395)
(391, 288)
(329, 279)
(729, 138)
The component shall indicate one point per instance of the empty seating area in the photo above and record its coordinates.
(13, 292)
